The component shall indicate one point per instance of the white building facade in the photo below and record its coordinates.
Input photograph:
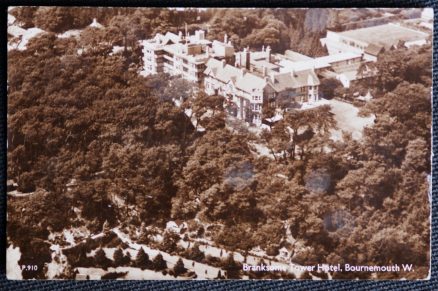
(247, 93)
(182, 55)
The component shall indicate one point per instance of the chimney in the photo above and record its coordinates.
(247, 54)
(207, 51)
(264, 71)
(294, 75)
(268, 53)
(272, 76)
(225, 38)
(223, 63)
(263, 48)
(180, 35)
(243, 71)
(238, 61)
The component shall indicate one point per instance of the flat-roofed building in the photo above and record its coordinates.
(342, 66)
(371, 41)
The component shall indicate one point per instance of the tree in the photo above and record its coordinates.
(194, 253)
(178, 89)
(179, 268)
(127, 259)
(101, 259)
(142, 259)
(25, 15)
(328, 86)
(159, 263)
(118, 257)
(54, 19)
(209, 110)
(170, 241)
(416, 158)
(397, 66)
(370, 184)
(231, 267)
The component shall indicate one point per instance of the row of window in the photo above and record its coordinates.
(353, 44)
(256, 107)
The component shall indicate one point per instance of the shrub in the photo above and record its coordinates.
(305, 276)
(272, 250)
(114, 275)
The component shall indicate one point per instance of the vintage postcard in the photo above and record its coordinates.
(219, 143)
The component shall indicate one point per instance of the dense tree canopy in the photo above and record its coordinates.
(91, 141)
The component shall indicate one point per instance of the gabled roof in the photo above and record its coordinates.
(283, 81)
(250, 82)
(221, 71)
(171, 37)
(95, 24)
(220, 43)
(226, 73)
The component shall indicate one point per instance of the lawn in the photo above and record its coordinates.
(346, 116)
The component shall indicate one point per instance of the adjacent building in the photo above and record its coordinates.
(248, 92)
(371, 41)
(183, 55)
(250, 80)
(254, 81)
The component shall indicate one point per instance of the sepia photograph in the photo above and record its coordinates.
(218, 143)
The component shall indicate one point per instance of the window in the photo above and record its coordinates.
(255, 107)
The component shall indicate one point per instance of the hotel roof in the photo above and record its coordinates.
(243, 80)
(385, 35)
(283, 81)
(287, 66)
(249, 82)
(221, 71)
(338, 57)
(296, 56)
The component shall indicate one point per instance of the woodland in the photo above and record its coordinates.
(91, 118)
